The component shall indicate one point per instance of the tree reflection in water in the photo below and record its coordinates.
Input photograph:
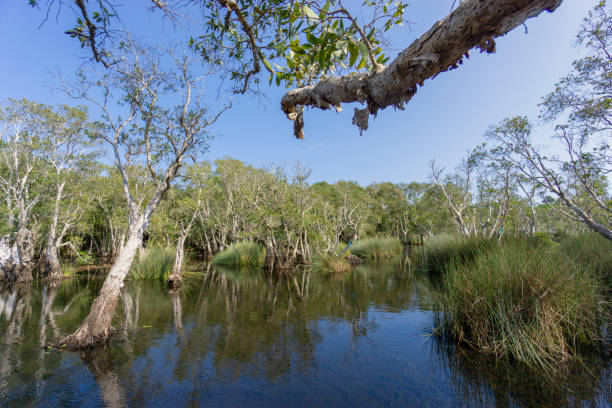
(245, 336)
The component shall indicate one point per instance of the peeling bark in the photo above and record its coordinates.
(475, 23)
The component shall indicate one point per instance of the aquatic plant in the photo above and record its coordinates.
(241, 254)
(329, 263)
(153, 263)
(514, 301)
(443, 250)
(377, 248)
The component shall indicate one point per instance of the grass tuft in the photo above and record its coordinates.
(444, 250)
(514, 300)
(377, 248)
(153, 263)
(241, 254)
(330, 264)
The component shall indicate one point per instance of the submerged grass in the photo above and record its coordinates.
(241, 254)
(377, 248)
(516, 300)
(153, 263)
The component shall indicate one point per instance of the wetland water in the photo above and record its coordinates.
(240, 338)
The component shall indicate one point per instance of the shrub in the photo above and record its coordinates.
(241, 254)
(444, 250)
(511, 301)
(377, 248)
(541, 239)
(153, 263)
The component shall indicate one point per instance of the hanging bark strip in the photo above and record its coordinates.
(475, 23)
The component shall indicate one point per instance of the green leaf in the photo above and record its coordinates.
(312, 39)
(324, 10)
(310, 13)
(268, 65)
(297, 49)
(361, 63)
(354, 51)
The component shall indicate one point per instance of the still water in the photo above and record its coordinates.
(242, 338)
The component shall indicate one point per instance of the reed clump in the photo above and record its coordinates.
(241, 254)
(154, 263)
(330, 264)
(377, 248)
(593, 251)
(518, 301)
(443, 250)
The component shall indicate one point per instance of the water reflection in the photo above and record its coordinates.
(244, 337)
(485, 382)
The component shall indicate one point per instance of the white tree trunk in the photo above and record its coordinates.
(96, 328)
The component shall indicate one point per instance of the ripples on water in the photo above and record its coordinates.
(242, 338)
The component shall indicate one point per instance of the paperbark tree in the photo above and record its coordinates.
(154, 136)
(66, 149)
(580, 182)
(21, 170)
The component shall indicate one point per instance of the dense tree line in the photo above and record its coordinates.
(57, 199)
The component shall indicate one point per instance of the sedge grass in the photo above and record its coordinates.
(330, 264)
(153, 263)
(517, 301)
(377, 248)
(241, 254)
(444, 250)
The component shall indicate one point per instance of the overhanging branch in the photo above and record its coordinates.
(475, 23)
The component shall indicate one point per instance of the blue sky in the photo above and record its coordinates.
(446, 117)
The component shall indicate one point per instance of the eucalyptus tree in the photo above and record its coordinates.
(331, 53)
(162, 122)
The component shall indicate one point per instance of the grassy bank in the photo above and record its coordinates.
(153, 263)
(377, 248)
(533, 304)
(241, 254)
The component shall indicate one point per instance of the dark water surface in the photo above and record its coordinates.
(241, 338)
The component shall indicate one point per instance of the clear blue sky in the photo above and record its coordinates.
(447, 117)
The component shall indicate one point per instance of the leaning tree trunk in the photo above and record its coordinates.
(96, 328)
